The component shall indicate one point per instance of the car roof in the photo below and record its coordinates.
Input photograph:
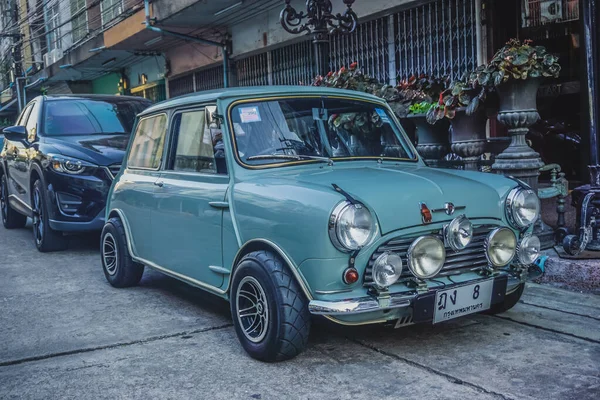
(252, 91)
(99, 97)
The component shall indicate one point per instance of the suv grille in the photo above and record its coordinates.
(471, 257)
(114, 170)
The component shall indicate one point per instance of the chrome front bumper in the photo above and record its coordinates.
(368, 304)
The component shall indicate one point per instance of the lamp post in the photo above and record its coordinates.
(320, 22)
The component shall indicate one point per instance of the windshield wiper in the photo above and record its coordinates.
(298, 157)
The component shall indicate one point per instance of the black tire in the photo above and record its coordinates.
(286, 312)
(510, 300)
(11, 219)
(119, 268)
(46, 239)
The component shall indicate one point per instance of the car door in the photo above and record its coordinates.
(17, 159)
(191, 200)
(134, 194)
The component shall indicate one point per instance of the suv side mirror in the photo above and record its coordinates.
(16, 134)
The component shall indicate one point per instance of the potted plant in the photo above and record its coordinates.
(461, 105)
(515, 73)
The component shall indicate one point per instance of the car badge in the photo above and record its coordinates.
(449, 208)
(425, 213)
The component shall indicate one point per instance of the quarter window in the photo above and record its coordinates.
(196, 147)
(147, 147)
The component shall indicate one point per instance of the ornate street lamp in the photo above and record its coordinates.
(320, 23)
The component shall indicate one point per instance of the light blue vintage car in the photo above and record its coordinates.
(292, 201)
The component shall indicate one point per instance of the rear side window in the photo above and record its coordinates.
(148, 143)
(89, 117)
(196, 147)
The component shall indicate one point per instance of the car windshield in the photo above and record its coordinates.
(316, 129)
(89, 117)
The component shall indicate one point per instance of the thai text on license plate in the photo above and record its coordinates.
(463, 300)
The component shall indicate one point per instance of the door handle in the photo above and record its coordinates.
(223, 205)
(159, 183)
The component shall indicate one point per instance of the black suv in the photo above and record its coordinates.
(57, 164)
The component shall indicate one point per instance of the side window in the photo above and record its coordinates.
(148, 142)
(196, 146)
(32, 122)
(24, 115)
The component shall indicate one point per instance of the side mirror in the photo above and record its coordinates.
(15, 134)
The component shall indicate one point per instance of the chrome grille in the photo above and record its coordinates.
(114, 169)
(472, 257)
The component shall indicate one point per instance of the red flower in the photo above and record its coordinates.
(353, 65)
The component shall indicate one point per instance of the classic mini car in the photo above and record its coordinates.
(292, 201)
(58, 162)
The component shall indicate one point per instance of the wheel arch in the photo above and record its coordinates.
(267, 245)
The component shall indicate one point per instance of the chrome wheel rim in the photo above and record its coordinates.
(38, 217)
(3, 199)
(252, 309)
(109, 253)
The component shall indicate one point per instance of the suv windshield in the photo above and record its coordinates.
(89, 117)
(314, 129)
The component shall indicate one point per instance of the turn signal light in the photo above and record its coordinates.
(350, 276)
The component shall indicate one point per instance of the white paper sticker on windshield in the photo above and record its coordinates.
(383, 115)
(249, 114)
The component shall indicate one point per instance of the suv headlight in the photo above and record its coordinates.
(522, 207)
(70, 165)
(351, 226)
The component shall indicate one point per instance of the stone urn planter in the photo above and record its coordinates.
(468, 137)
(432, 140)
(518, 111)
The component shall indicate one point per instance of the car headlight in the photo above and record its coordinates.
(500, 247)
(522, 207)
(387, 269)
(426, 257)
(458, 233)
(528, 250)
(351, 226)
(70, 165)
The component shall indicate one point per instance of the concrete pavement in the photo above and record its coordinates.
(66, 333)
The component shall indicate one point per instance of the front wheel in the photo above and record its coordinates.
(510, 300)
(269, 310)
(46, 239)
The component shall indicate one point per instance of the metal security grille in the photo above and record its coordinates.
(211, 78)
(181, 86)
(367, 45)
(253, 70)
(437, 38)
(293, 64)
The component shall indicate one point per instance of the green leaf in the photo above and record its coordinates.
(450, 112)
(473, 106)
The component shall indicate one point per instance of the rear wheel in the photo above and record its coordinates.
(119, 268)
(46, 239)
(510, 300)
(269, 310)
(11, 219)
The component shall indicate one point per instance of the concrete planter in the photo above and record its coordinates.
(468, 138)
(518, 111)
(432, 140)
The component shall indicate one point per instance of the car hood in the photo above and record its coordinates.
(395, 192)
(97, 149)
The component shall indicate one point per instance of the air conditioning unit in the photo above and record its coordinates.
(57, 54)
(551, 11)
(48, 59)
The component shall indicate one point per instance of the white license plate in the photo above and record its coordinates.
(463, 300)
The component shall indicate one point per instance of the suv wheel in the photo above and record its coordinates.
(11, 219)
(46, 239)
(509, 302)
(119, 268)
(269, 310)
